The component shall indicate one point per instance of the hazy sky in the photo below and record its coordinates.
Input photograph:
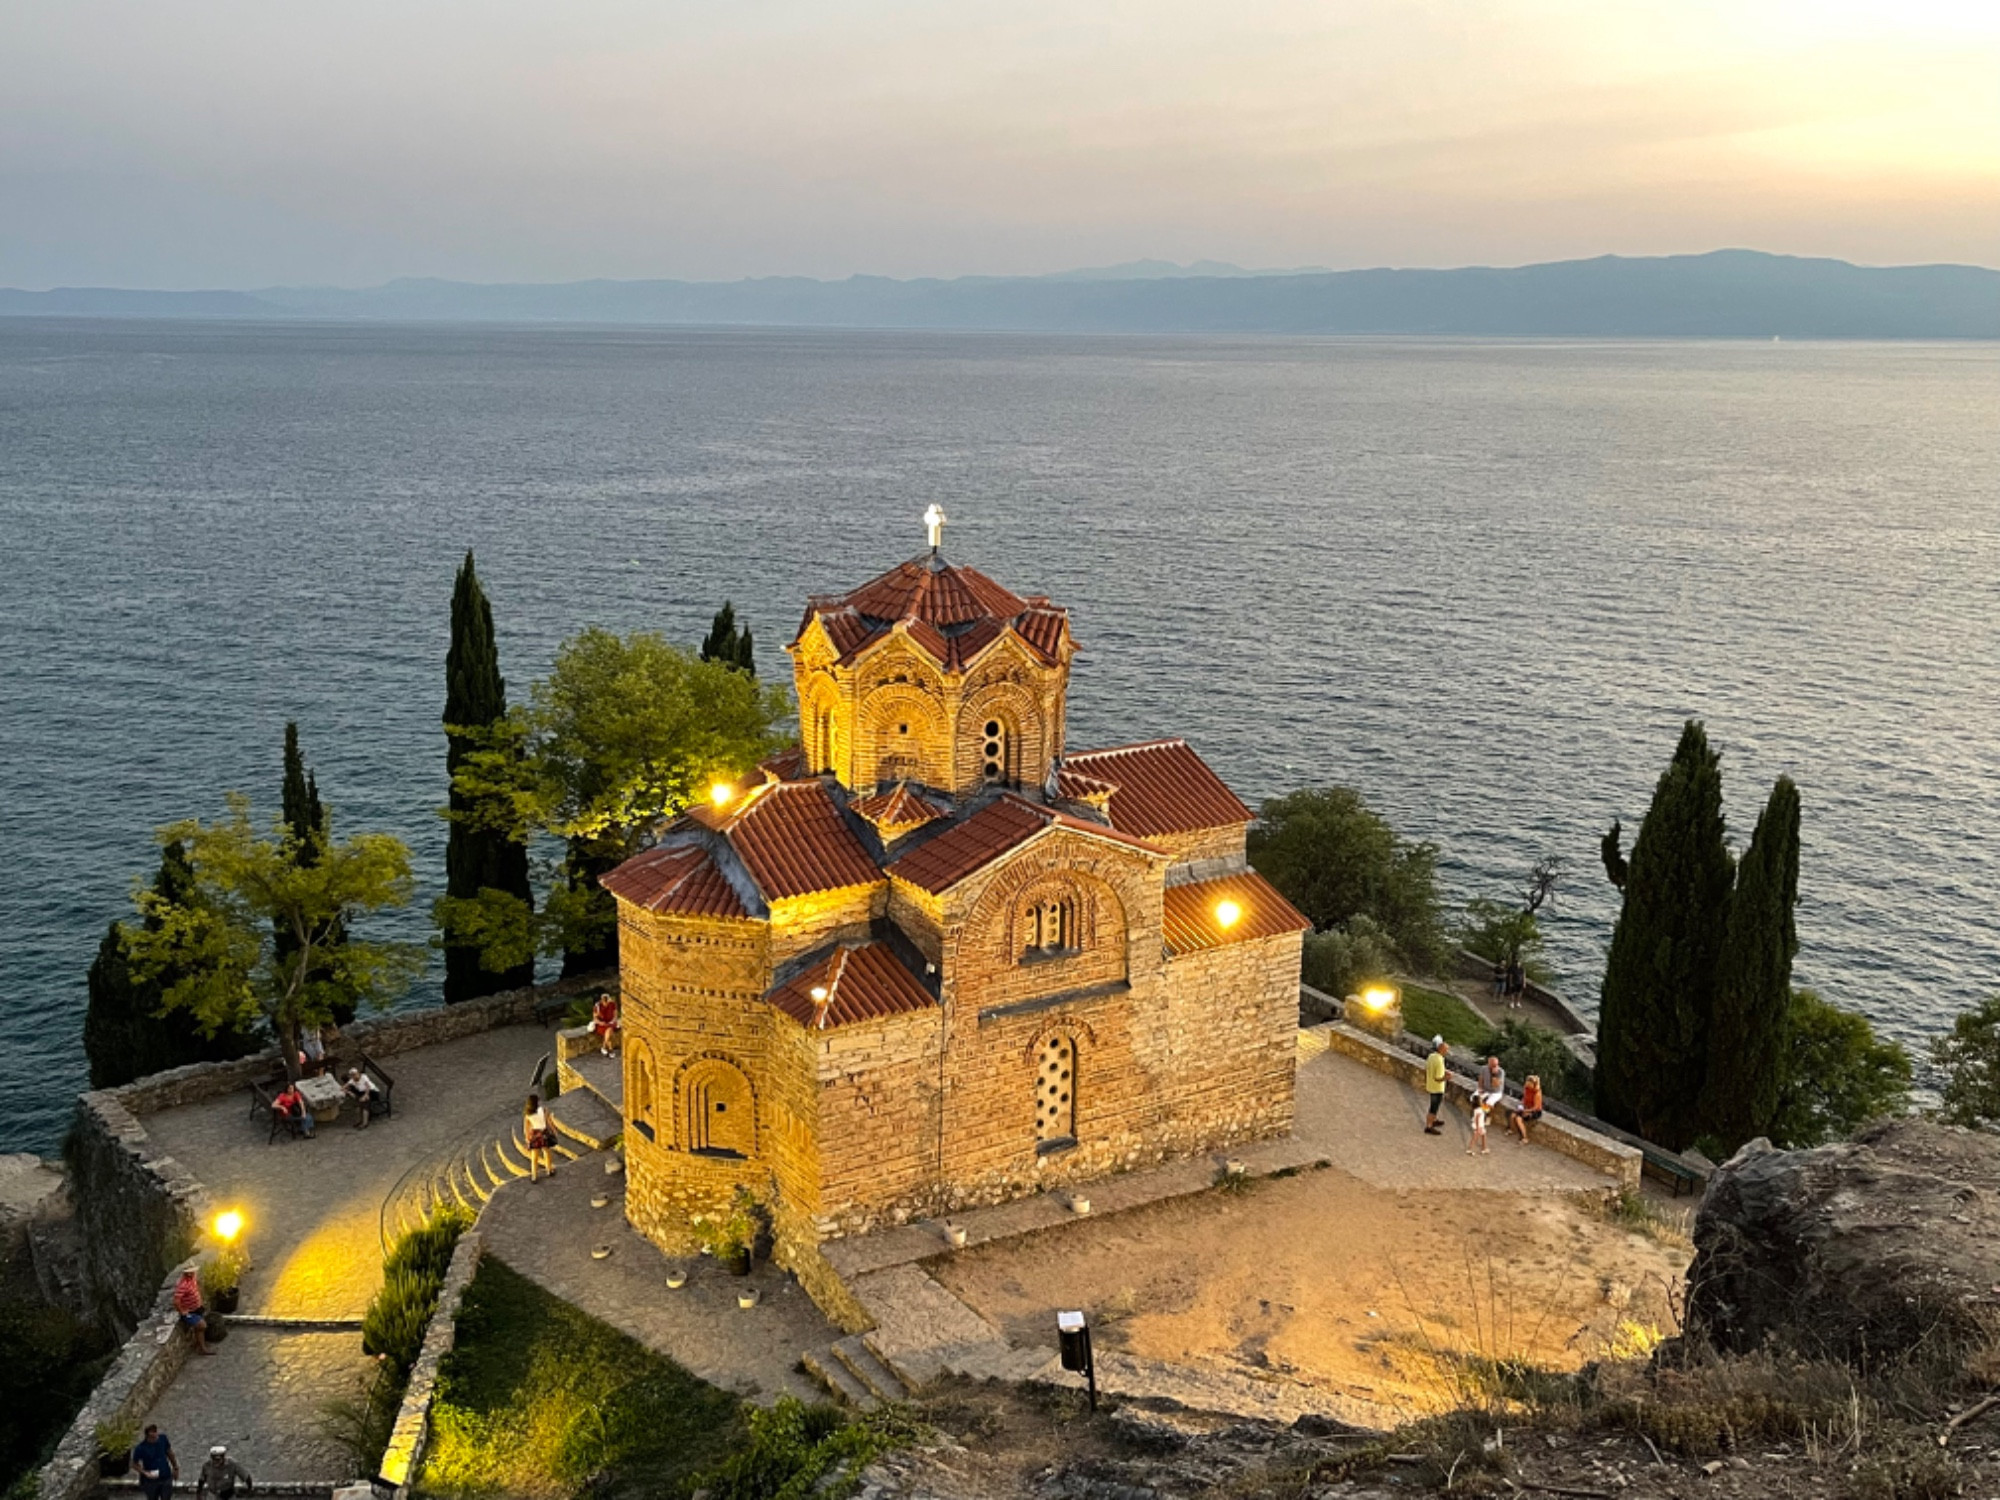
(246, 142)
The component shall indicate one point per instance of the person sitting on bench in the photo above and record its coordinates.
(366, 1096)
(604, 1022)
(290, 1106)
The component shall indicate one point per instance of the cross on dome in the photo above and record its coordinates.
(934, 520)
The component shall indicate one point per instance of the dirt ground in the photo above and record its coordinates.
(1339, 1284)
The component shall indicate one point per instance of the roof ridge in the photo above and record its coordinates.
(1162, 744)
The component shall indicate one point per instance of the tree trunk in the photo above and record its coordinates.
(288, 1047)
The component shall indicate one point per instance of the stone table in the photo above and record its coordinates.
(323, 1096)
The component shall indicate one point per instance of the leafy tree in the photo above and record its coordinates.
(1501, 933)
(728, 645)
(1335, 859)
(621, 736)
(1339, 962)
(1524, 1048)
(478, 855)
(214, 948)
(1747, 1051)
(1838, 1076)
(1660, 975)
(1969, 1056)
(125, 1035)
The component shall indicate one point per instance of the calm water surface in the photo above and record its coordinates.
(1483, 582)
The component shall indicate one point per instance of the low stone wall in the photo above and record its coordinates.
(138, 1211)
(1615, 1159)
(403, 1460)
(144, 1368)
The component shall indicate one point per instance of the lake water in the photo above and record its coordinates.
(1483, 582)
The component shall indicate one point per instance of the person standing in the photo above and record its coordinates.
(153, 1457)
(220, 1476)
(1434, 1085)
(540, 1137)
(1479, 1112)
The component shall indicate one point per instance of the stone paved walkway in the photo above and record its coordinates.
(265, 1394)
(313, 1207)
(546, 1231)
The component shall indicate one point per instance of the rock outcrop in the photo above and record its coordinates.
(1865, 1250)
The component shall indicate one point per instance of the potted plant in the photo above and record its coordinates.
(114, 1448)
(221, 1279)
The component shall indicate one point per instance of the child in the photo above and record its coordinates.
(1479, 1108)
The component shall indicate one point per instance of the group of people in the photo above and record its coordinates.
(1489, 1094)
(361, 1090)
(1510, 984)
(153, 1456)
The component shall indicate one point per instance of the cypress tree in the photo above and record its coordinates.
(305, 820)
(728, 645)
(1748, 1051)
(124, 1035)
(475, 858)
(1659, 977)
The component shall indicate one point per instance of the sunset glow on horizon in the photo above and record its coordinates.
(238, 144)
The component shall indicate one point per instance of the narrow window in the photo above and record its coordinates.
(996, 751)
(1055, 1095)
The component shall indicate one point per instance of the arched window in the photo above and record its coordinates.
(1055, 1094)
(718, 1117)
(997, 750)
(1049, 927)
(639, 1088)
(820, 751)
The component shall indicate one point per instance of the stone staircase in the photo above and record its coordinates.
(468, 1174)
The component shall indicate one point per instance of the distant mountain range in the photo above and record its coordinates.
(1724, 294)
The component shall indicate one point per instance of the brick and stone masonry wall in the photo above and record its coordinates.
(144, 1368)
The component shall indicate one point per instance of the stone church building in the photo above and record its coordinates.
(934, 958)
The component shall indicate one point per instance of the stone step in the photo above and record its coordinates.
(603, 1076)
(845, 1387)
(880, 1380)
(586, 1119)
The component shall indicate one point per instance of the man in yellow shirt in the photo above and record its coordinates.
(1434, 1085)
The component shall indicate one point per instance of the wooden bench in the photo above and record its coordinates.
(1664, 1166)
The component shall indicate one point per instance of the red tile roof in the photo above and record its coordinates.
(1077, 787)
(792, 839)
(682, 878)
(950, 613)
(1003, 824)
(1163, 787)
(789, 764)
(899, 807)
(1191, 924)
(863, 983)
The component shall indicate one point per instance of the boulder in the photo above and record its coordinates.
(1864, 1250)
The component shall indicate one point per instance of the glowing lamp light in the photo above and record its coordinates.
(228, 1225)
(1227, 913)
(819, 994)
(720, 793)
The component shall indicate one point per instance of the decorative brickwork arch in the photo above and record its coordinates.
(819, 727)
(1010, 920)
(903, 736)
(718, 1111)
(639, 1088)
(1001, 734)
(1053, 916)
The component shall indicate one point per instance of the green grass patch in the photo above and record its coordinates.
(1432, 1013)
(537, 1397)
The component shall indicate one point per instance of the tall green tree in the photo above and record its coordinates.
(1749, 1033)
(125, 1033)
(305, 816)
(1660, 975)
(213, 948)
(1335, 858)
(479, 856)
(728, 645)
(1969, 1057)
(622, 735)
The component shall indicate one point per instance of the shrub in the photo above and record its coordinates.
(221, 1272)
(1524, 1049)
(412, 1277)
(1969, 1055)
(1340, 961)
(1838, 1075)
(796, 1451)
